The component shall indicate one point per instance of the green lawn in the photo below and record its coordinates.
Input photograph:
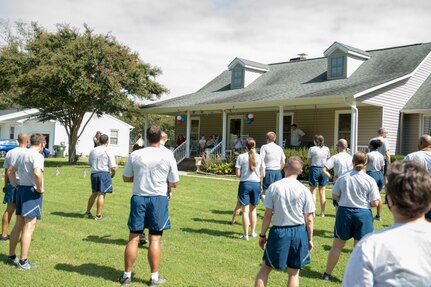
(201, 249)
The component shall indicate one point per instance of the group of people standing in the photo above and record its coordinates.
(290, 206)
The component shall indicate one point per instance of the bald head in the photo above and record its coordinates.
(424, 141)
(270, 137)
(22, 139)
(342, 144)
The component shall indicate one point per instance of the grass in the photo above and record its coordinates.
(201, 249)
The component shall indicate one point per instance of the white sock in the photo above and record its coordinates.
(127, 274)
(155, 276)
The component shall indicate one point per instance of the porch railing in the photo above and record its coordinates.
(180, 152)
(363, 148)
(216, 150)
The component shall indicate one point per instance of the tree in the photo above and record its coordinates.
(68, 73)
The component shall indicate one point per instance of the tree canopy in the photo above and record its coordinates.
(67, 73)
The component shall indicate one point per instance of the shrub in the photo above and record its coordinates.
(215, 164)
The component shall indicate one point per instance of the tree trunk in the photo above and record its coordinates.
(73, 139)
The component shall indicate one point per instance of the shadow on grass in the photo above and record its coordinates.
(211, 220)
(212, 232)
(94, 270)
(223, 211)
(68, 214)
(323, 233)
(60, 163)
(105, 240)
(312, 274)
(345, 250)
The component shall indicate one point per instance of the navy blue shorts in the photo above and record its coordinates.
(249, 192)
(271, 176)
(28, 202)
(148, 212)
(385, 168)
(353, 222)
(101, 182)
(316, 177)
(378, 177)
(10, 194)
(287, 247)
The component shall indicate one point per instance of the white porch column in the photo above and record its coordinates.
(145, 131)
(224, 135)
(354, 128)
(280, 126)
(188, 130)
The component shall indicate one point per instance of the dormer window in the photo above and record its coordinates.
(238, 77)
(337, 67)
(344, 60)
(244, 72)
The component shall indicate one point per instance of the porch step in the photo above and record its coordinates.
(188, 164)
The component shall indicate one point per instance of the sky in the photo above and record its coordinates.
(194, 41)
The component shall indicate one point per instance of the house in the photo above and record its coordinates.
(12, 122)
(348, 93)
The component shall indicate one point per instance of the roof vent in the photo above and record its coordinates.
(302, 56)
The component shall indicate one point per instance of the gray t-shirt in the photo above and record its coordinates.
(356, 189)
(101, 159)
(11, 158)
(273, 156)
(376, 161)
(421, 156)
(151, 169)
(341, 163)
(396, 256)
(289, 199)
(319, 155)
(25, 165)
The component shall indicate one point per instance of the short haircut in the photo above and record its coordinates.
(409, 186)
(37, 139)
(294, 165)
(22, 137)
(375, 144)
(271, 136)
(154, 134)
(424, 141)
(342, 143)
(381, 131)
(293, 125)
(359, 160)
(103, 139)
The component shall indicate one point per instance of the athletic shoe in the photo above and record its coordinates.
(143, 240)
(11, 261)
(378, 218)
(322, 215)
(4, 238)
(125, 280)
(26, 266)
(244, 237)
(325, 276)
(88, 215)
(253, 234)
(99, 217)
(157, 282)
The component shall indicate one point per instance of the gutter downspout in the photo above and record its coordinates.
(353, 126)
(188, 131)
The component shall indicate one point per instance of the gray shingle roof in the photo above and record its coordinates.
(422, 98)
(304, 80)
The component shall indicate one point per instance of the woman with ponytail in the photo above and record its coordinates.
(316, 158)
(250, 168)
(356, 192)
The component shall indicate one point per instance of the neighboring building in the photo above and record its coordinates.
(349, 93)
(12, 122)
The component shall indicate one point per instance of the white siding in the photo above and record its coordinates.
(394, 97)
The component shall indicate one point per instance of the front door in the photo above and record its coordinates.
(234, 129)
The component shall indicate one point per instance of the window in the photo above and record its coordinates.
(344, 128)
(426, 125)
(114, 137)
(12, 133)
(337, 67)
(237, 77)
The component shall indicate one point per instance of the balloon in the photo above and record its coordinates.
(179, 122)
(179, 118)
(250, 116)
(248, 121)
(183, 119)
(252, 119)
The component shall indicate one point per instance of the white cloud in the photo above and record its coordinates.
(193, 41)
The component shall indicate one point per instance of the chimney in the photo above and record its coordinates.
(302, 56)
